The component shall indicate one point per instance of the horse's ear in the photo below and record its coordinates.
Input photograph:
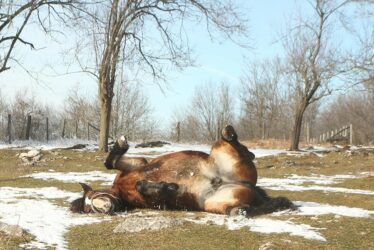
(77, 206)
(85, 187)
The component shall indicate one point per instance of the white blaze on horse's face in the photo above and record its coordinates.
(102, 204)
(98, 204)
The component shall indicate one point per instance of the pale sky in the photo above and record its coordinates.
(217, 61)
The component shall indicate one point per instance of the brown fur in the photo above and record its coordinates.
(195, 173)
(221, 182)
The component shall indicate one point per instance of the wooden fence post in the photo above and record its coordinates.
(351, 134)
(88, 131)
(63, 129)
(9, 128)
(28, 127)
(47, 126)
(76, 129)
(178, 131)
(307, 133)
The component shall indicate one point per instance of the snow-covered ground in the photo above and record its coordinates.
(298, 183)
(74, 177)
(36, 210)
(33, 210)
(53, 144)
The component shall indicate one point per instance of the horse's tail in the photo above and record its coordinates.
(264, 204)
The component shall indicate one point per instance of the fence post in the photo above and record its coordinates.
(76, 129)
(307, 133)
(88, 131)
(351, 134)
(63, 129)
(28, 127)
(178, 131)
(9, 128)
(47, 128)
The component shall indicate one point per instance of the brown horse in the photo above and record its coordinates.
(222, 182)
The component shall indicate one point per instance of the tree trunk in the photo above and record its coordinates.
(105, 110)
(296, 131)
(106, 96)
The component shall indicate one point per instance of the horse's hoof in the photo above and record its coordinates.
(229, 134)
(120, 146)
(240, 210)
(108, 165)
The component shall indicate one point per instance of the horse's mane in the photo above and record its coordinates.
(77, 206)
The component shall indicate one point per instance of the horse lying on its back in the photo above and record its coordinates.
(222, 182)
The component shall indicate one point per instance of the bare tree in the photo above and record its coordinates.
(361, 60)
(4, 109)
(131, 112)
(352, 108)
(147, 35)
(189, 126)
(14, 18)
(211, 108)
(25, 104)
(312, 60)
(79, 110)
(261, 98)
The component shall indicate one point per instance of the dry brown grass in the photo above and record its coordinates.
(277, 144)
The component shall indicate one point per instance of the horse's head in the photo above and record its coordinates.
(96, 201)
(228, 135)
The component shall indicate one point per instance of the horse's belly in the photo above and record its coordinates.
(199, 188)
(229, 169)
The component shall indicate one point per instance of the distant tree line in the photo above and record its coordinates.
(265, 112)
(79, 116)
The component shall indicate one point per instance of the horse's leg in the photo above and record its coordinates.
(117, 160)
(158, 193)
(120, 147)
(233, 161)
(230, 199)
(125, 163)
(148, 188)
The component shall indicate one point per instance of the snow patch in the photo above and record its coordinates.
(75, 177)
(10, 194)
(46, 221)
(323, 189)
(261, 225)
(299, 180)
(52, 144)
(314, 208)
(295, 183)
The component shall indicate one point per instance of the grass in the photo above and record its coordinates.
(340, 232)
(7, 242)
